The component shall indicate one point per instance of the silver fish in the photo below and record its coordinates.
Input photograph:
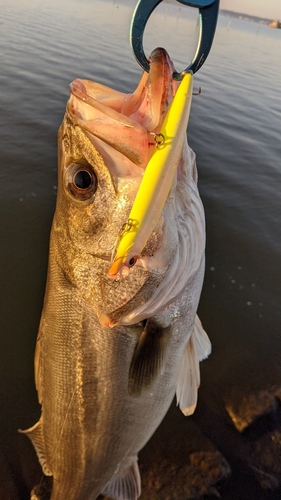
(111, 354)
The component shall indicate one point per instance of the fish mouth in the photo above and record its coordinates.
(125, 122)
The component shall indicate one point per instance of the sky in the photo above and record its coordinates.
(270, 9)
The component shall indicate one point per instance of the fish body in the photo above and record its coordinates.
(111, 354)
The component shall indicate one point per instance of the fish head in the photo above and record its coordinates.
(105, 142)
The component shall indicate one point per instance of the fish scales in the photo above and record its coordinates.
(111, 354)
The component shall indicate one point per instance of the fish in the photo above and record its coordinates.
(112, 353)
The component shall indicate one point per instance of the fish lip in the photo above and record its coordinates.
(158, 55)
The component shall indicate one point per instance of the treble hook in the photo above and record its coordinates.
(208, 15)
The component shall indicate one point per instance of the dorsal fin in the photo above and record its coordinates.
(148, 357)
(125, 486)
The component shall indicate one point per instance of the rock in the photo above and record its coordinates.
(266, 480)
(243, 412)
(192, 480)
(264, 460)
(258, 417)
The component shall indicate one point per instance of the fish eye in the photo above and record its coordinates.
(132, 261)
(81, 181)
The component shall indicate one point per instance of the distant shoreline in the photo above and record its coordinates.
(248, 17)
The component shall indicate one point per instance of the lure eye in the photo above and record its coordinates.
(81, 181)
(132, 261)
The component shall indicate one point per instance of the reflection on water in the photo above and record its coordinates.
(235, 131)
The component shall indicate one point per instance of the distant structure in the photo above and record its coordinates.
(275, 24)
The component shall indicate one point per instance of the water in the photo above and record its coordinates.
(235, 131)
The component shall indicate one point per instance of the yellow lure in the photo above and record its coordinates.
(156, 182)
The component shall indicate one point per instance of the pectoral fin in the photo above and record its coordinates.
(36, 436)
(198, 348)
(126, 486)
(148, 358)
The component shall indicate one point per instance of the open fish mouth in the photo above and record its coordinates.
(125, 122)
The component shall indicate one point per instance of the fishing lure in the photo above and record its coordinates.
(156, 182)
